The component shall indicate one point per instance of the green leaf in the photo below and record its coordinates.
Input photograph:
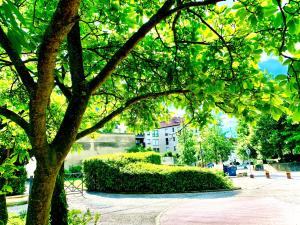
(296, 116)
(278, 21)
(281, 77)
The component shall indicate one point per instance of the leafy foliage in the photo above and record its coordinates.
(75, 217)
(145, 177)
(187, 147)
(138, 148)
(17, 183)
(276, 139)
(124, 158)
(244, 141)
(120, 56)
(215, 145)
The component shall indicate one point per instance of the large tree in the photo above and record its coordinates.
(187, 147)
(86, 64)
(215, 146)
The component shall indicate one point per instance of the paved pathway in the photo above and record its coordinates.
(261, 201)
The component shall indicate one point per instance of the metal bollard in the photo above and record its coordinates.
(267, 174)
(288, 175)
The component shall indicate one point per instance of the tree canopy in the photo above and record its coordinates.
(215, 146)
(187, 147)
(270, 139)
(70, 67)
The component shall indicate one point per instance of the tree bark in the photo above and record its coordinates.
(41, 193)
(3, 207)
(59, 205)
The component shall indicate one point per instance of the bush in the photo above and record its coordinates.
(18, 183)
(75, 217)
(125, 158)
(138, 148)
(140, 176)
(74, 169)
(168, 154)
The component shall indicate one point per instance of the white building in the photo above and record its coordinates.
(164, 138)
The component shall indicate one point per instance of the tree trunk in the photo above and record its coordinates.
(3, 209)
(41, 193)
(59, 206)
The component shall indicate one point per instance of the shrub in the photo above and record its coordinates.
(75, 217)
(74, 169)
(138, 148)
(125, 158)
(18, 183)
(138, 176)
(168, 154)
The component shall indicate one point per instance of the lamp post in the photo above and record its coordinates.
(248, 151)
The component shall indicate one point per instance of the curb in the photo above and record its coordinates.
(16, 200)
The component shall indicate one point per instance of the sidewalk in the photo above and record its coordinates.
(261, 202)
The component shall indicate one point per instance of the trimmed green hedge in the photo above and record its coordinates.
(125, 158)
(139, 176)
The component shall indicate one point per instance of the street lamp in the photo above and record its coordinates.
(248, 151)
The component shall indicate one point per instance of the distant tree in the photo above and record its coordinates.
(275, 139)
(291, 136)
(187, 147)
(215, 146)
(243, 141)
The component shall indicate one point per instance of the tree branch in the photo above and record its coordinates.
(117, 58)
(67, 93)
(15, 118)
(127, 104)
(75, 58)
(193, 4)
(220, 37)
(17, 62)
(60, 25)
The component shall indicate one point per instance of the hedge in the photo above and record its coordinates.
(125, 158)
(144, 177)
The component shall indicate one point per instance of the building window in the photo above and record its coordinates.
(167, 141)
(175, 148)
(156, 149)
(155, 142)
(167, 134)
(155, 133)
(173, 129)
(174, 139)
(148, 133)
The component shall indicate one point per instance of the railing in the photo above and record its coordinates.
(292, 166)
(74, 183)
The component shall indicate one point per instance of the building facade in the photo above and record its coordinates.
(164, 138)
